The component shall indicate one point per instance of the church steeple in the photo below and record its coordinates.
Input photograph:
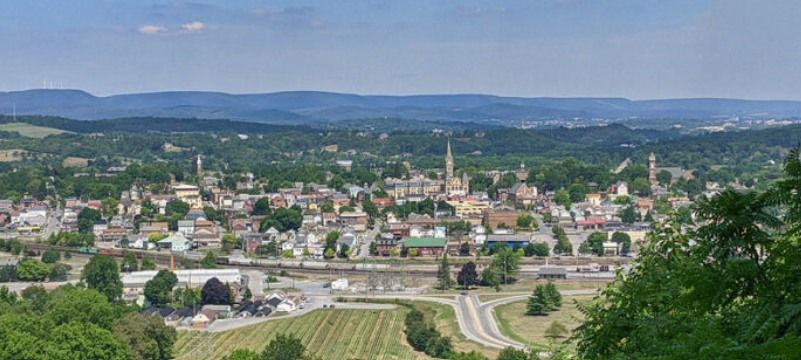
(449, 162)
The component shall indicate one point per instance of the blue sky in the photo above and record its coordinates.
(636, 49)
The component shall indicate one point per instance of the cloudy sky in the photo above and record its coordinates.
(636, 49)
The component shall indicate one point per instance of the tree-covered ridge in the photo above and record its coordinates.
(727, 287)
(555, 159)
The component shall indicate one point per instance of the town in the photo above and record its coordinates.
(414, 180)
(391, 225)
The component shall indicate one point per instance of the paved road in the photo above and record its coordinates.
(366, 239)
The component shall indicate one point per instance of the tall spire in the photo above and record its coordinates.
(449, 162)
(450, 154)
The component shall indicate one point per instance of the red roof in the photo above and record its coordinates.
(591, 222)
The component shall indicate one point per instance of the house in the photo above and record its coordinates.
(203, 319)
(523, 194)
(154, 227)
(289, 304)
(611, 248)
(176, 243)
(501, 215)
(186, 227)
(593, 198)
(385, 244)
(428, 246)
(189, 194)
(618, 189)
(222, 311)
(249, 308)
(274, 299)
(355, 220)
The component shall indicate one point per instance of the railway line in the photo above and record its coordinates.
(364, 266)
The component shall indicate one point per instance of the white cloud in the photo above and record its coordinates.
(152, 29)
(194, 26)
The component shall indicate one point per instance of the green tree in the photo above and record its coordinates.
(147, 263)
(88, 340)
(536, 249)
(725, 289)
(553, 295)
(506, 263)
(158, 290)
(524, 221)
(663, 177)
(87, 219)
(512, 354)
(464, 249)
(624, 240)
(209, 260)
(109, 207)
(373, 248)
(284, 347)
(556, 330)
(32, 270)
(539, 303)
(467, 276)
(444, 279)
(147, 337)
(51, 256)
(103, 275)
(596, 242)
(37, 296)
(640, 186)
(562, 197)
(215, 292)
(262, 206)
(129, 262)
(243, 354)
(629, 215)
(59, 272)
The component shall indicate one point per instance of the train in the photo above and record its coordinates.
(301, 264)
(289, 264)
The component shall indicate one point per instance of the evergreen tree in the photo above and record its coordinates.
(444, 273)
(553, 295)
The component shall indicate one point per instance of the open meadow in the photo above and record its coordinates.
(513, 322)
(29, 130)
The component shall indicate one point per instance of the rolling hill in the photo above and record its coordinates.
(307, 107)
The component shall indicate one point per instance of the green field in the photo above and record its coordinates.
(29, 130)
(444, 319)
(328, 334)
(513, 322)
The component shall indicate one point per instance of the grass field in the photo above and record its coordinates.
(327, 334)
(29, 130)
(445, 321)
(513, 322)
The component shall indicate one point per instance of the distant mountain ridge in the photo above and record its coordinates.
(306, 107)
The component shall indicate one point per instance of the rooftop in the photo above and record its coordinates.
(424, 242)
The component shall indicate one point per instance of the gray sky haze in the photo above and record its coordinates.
(629, 48)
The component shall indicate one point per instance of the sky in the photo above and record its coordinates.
(639, 49)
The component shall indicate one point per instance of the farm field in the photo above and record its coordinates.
(327, 334)
(513, 322)
(29, 130)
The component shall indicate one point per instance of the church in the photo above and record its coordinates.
(420, 187)
(453, 184)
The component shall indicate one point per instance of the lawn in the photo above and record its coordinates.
(513, 322)
(29, 130)
(445, 320)
(327, 334)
